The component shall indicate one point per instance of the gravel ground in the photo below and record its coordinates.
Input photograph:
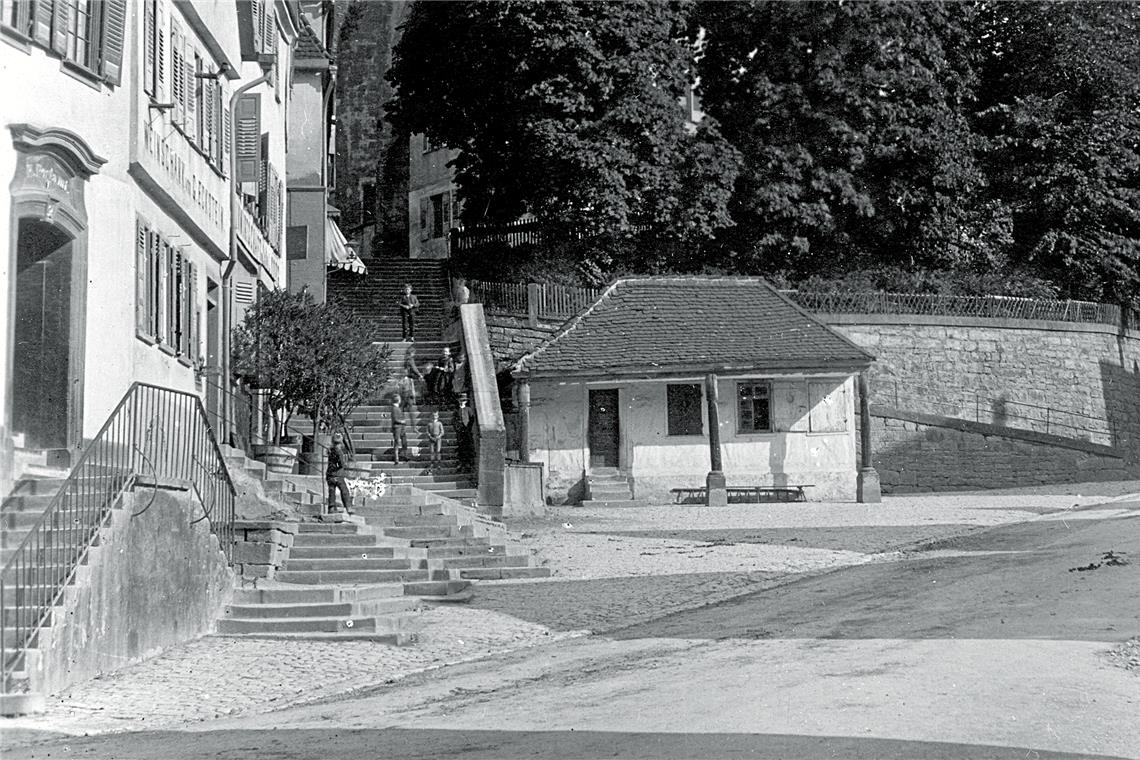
(1126, 656)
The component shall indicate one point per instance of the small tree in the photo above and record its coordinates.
(271, 350)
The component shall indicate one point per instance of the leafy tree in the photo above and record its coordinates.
(571, 111)
(311, 357)
(852, 122)
(1060, 106)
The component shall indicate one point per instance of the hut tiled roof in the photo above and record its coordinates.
(658, 325)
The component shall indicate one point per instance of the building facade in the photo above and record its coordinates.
(143, 167)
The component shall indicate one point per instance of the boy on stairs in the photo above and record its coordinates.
(435, 436)
(408, 305)
(399, 429)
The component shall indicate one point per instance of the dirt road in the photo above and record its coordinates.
(988, 646)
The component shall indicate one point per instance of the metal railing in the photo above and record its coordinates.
(155, 434)
(1022, 415)
(1001, 307)
(543, 300)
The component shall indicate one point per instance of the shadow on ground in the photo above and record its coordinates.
(867, 539)
(413, 744)
(1033, 591)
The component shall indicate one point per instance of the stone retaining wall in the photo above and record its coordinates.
(511, 337)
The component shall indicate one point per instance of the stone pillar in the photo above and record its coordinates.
(524, 420)
(867, 489)
(715, 493)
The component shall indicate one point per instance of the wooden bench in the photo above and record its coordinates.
(745, 494)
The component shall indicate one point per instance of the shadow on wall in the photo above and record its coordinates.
(1121, 388)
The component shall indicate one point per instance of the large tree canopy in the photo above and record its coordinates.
(571, 111)
(1060, 108)
(852, 121)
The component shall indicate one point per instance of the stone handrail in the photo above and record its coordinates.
(488, 411)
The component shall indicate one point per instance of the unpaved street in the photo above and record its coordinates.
(989, 645)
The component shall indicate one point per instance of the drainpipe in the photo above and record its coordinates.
(227, 290)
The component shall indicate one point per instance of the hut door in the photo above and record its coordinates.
(604, 431)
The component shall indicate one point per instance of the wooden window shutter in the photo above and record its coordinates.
(227, 135)
(61, 14)
(210, 139)
(150, 45)
(159, 54)
(257, 11)
(247, 119)
(158, 250)
(186, 314)
(41, 23)
(114, 33)
(195, 317)
(425, 205)
(142, 279)
(177, 73)
(191, 84)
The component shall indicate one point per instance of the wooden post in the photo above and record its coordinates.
(716, 494)
(867, 489)
(532, 304)
(524, 420)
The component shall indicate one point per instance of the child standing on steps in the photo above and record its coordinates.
(408, 305)
(399, 429)
(435, 436)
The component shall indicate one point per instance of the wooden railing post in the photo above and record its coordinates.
(532, 304)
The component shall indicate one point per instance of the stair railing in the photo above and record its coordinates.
(153, 435)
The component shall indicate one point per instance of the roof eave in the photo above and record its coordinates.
(850, 366)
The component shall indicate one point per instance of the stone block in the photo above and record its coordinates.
(257, 553)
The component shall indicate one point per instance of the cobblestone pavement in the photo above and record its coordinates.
(612, 569)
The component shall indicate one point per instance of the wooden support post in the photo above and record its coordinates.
(716, 494)
(532, 304)
(524, 420)
(867, 490)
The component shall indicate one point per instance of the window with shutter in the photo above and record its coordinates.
(195, 347)
(160, 53)
(111, 38)
(61, 30)
(17, 16)
(177, 73)
(143, 322)
(247, 118)
(192, 86)
(43, 12)
(150, 45)
(227, 136)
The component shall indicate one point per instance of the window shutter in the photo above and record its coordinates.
(159, 54)
(114, 32)
(177, 72)
(248, 126)
(142, 269)
(257, 9)
(186, 313)
(210, 139)
(150, 43)
(425, 204)
(195, 317)
(161, 311)
(41, 24)
(227, 135)
(61, 15)
(190, 127)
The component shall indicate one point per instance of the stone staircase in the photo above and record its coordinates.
(608, 487)
(374, 296)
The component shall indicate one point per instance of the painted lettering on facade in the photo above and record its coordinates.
(187, 178)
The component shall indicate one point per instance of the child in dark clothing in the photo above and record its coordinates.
(399, 429)
(339, 459)
(408, 305)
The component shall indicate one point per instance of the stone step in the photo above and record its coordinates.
(481, 543)
(438, 520)
(340, 551)
(27, 503)
(487, 560)
(397, 639)
(473, 550)
(322, 564)
(298, 594)
(346, 610)
(12, 538)
(22, 703)
(37, 486)
(421, 532)
(327, 527)
(600, 490)
(25, 520)
(350, 576)
(306, 538)
(357, 624)
(503, 573)
(439, 589)
(615, 503)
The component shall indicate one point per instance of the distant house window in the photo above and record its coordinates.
(684, 402)
(86, 33)
(440, 214)
(754, 407)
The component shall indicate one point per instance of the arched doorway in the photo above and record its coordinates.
(48, 288)
(42, 334)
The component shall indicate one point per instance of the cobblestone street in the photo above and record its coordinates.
(612, 569)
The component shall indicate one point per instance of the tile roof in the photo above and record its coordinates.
(309, 45)
(656, 325)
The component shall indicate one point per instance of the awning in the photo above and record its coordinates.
(338, 253)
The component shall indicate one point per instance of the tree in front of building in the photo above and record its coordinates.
(570, 111)
(307, 357)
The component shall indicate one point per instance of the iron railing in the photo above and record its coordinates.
(154, 434)
(541, 299)
(1002, 307)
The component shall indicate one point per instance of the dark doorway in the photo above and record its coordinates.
(604, 429)
(42, 347)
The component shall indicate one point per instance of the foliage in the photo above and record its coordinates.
(1060, 107)
(313, 357)
(852, 122)
(571, 111)
(891, 279)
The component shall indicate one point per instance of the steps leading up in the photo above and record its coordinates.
(375, 296)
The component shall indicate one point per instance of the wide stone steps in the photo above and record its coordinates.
(350, 576)
(347, 563)
(339, 539)
(503, 573)
(335, 551)
(298, 594)
(419, 531)
(358, 624)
